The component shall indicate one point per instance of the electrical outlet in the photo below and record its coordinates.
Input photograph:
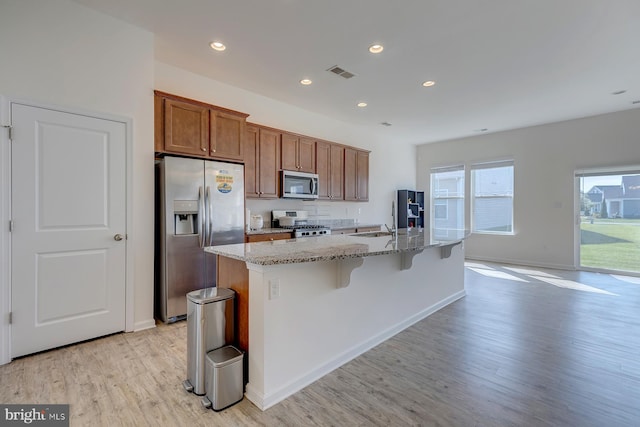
(274, 288)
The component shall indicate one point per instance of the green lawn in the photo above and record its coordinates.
(611, 244)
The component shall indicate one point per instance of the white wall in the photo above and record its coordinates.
(391, 167)
(59, 53)
(546, 158)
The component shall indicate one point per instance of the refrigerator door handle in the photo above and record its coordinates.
(201, 214)
(209, 207)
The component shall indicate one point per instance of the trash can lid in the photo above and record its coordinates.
(224, 356)
(207, 295)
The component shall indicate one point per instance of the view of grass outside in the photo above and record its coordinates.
(612, 243)
(610, 226)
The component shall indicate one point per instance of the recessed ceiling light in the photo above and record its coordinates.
(428, 83)
(305, 82)
(618, 92)
(376, 48)
(217, 46)
(362, 104)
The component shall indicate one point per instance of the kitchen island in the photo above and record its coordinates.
(306, 306)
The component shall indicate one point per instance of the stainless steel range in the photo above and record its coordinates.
(298, 222)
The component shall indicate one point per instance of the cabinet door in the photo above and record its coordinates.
(186, 128)
(323, 157)
(268, 165)
(289, 152)
(350, 173)
(307, 155)
(251, 162)
(336, 179)
(356, 175)
(227, 136)
(362, 176)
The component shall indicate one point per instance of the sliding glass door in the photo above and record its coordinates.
(608, 222)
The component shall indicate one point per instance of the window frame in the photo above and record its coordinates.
(492, 165)
(433, 197)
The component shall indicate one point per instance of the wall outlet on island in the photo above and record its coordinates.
(274, 288)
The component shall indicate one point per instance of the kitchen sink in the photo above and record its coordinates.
(372, 234)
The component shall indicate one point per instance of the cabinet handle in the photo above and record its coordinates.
(214, 150)
(204, 149)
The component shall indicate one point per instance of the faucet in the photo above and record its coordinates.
(393, 218)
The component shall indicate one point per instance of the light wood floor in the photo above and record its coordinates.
(511, 353)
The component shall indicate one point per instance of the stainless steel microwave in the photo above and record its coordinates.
(299, 185)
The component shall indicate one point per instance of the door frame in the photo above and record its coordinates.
(577, 241)
(5, 214)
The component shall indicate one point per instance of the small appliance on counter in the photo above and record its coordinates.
(256, 222)
(298, 221)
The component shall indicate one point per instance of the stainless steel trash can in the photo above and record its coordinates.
(224, 378)
(210, 325)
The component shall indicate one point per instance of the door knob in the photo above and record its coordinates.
(118, 237)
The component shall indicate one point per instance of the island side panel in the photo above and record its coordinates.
(312, 327)
(233, 274)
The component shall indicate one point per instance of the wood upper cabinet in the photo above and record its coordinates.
(186, 128)
(227, 135)
(356, 175)
(193, 128)
(298, 153)
(262, 154)
(251, 185)
(329, 167)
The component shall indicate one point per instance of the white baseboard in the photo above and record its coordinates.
(266, 401)
(144, 324)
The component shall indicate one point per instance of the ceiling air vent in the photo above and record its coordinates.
(341, 72)
(387, 124)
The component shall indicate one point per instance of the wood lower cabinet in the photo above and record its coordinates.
(233, 274)
(356, 175)
(298, 153)
(330, 168)
(252, 238)
(196, 129)
(262, 162)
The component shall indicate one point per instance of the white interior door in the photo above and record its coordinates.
(68, 242)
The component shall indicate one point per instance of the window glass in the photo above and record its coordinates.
(492, 198)
(447, 198)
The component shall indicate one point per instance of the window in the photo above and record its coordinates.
(492, 197)
(447, 198)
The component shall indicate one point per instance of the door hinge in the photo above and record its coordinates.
(10, 131)
(10, 225)
(10, 317)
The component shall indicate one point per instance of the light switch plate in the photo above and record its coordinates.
(274, 288)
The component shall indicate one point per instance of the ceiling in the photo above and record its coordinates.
(497, 64)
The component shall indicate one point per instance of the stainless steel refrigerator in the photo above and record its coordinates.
(198, 203)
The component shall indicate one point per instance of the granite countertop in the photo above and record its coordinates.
(347, 227)
(325, 248)
(268, 231)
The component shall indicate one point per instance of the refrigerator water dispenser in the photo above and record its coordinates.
(185, 216)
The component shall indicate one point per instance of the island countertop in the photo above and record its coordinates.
(324, 248)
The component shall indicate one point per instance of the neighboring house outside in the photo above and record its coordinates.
(622, 201)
